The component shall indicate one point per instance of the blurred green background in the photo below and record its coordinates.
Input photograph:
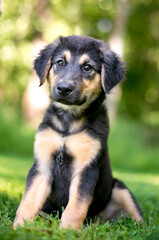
(131, 27)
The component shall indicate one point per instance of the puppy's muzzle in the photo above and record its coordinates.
(65, 89)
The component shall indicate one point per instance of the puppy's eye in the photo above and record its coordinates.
(87, 68)
(60, 63)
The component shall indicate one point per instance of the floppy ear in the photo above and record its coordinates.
(42, 63)
(113, 69)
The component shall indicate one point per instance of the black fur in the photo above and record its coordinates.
(114, 70)
(31, 175)
(41, 62)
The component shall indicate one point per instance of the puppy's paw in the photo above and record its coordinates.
(18, 221)
(66, 226)
(69, 223)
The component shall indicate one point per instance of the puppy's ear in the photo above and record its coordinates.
(42, 63)
(113, 69)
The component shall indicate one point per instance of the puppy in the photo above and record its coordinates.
(71, 169)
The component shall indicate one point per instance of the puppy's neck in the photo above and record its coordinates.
(72, 119)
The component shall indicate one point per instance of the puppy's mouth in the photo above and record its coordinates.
(69, 100)
(66, 102)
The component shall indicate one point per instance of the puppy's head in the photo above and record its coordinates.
(79, 69)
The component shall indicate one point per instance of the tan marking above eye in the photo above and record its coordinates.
(83, 59)
(67, 55)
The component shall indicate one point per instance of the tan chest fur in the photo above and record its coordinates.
(81, 146)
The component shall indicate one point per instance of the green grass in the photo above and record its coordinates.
(13, 171)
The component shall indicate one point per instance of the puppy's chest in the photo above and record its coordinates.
(74, 154)
(64, 157)
(62, 162)
(77, 150)
(62, 173)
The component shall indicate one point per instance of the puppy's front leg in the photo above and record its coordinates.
(77, 208)
(80, 197)
(39, 179)
(33, 198)
(84, 149)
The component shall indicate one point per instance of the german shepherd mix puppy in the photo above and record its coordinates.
(71, 164)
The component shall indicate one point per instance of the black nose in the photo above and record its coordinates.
(64, 88)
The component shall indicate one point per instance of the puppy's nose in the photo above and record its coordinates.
(64, 88)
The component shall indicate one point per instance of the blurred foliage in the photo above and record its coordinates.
(15, 137)
(15, 48)
(25, 21)
(141, 91)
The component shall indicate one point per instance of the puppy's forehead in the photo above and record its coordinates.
(82, 57)
(79, 50)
